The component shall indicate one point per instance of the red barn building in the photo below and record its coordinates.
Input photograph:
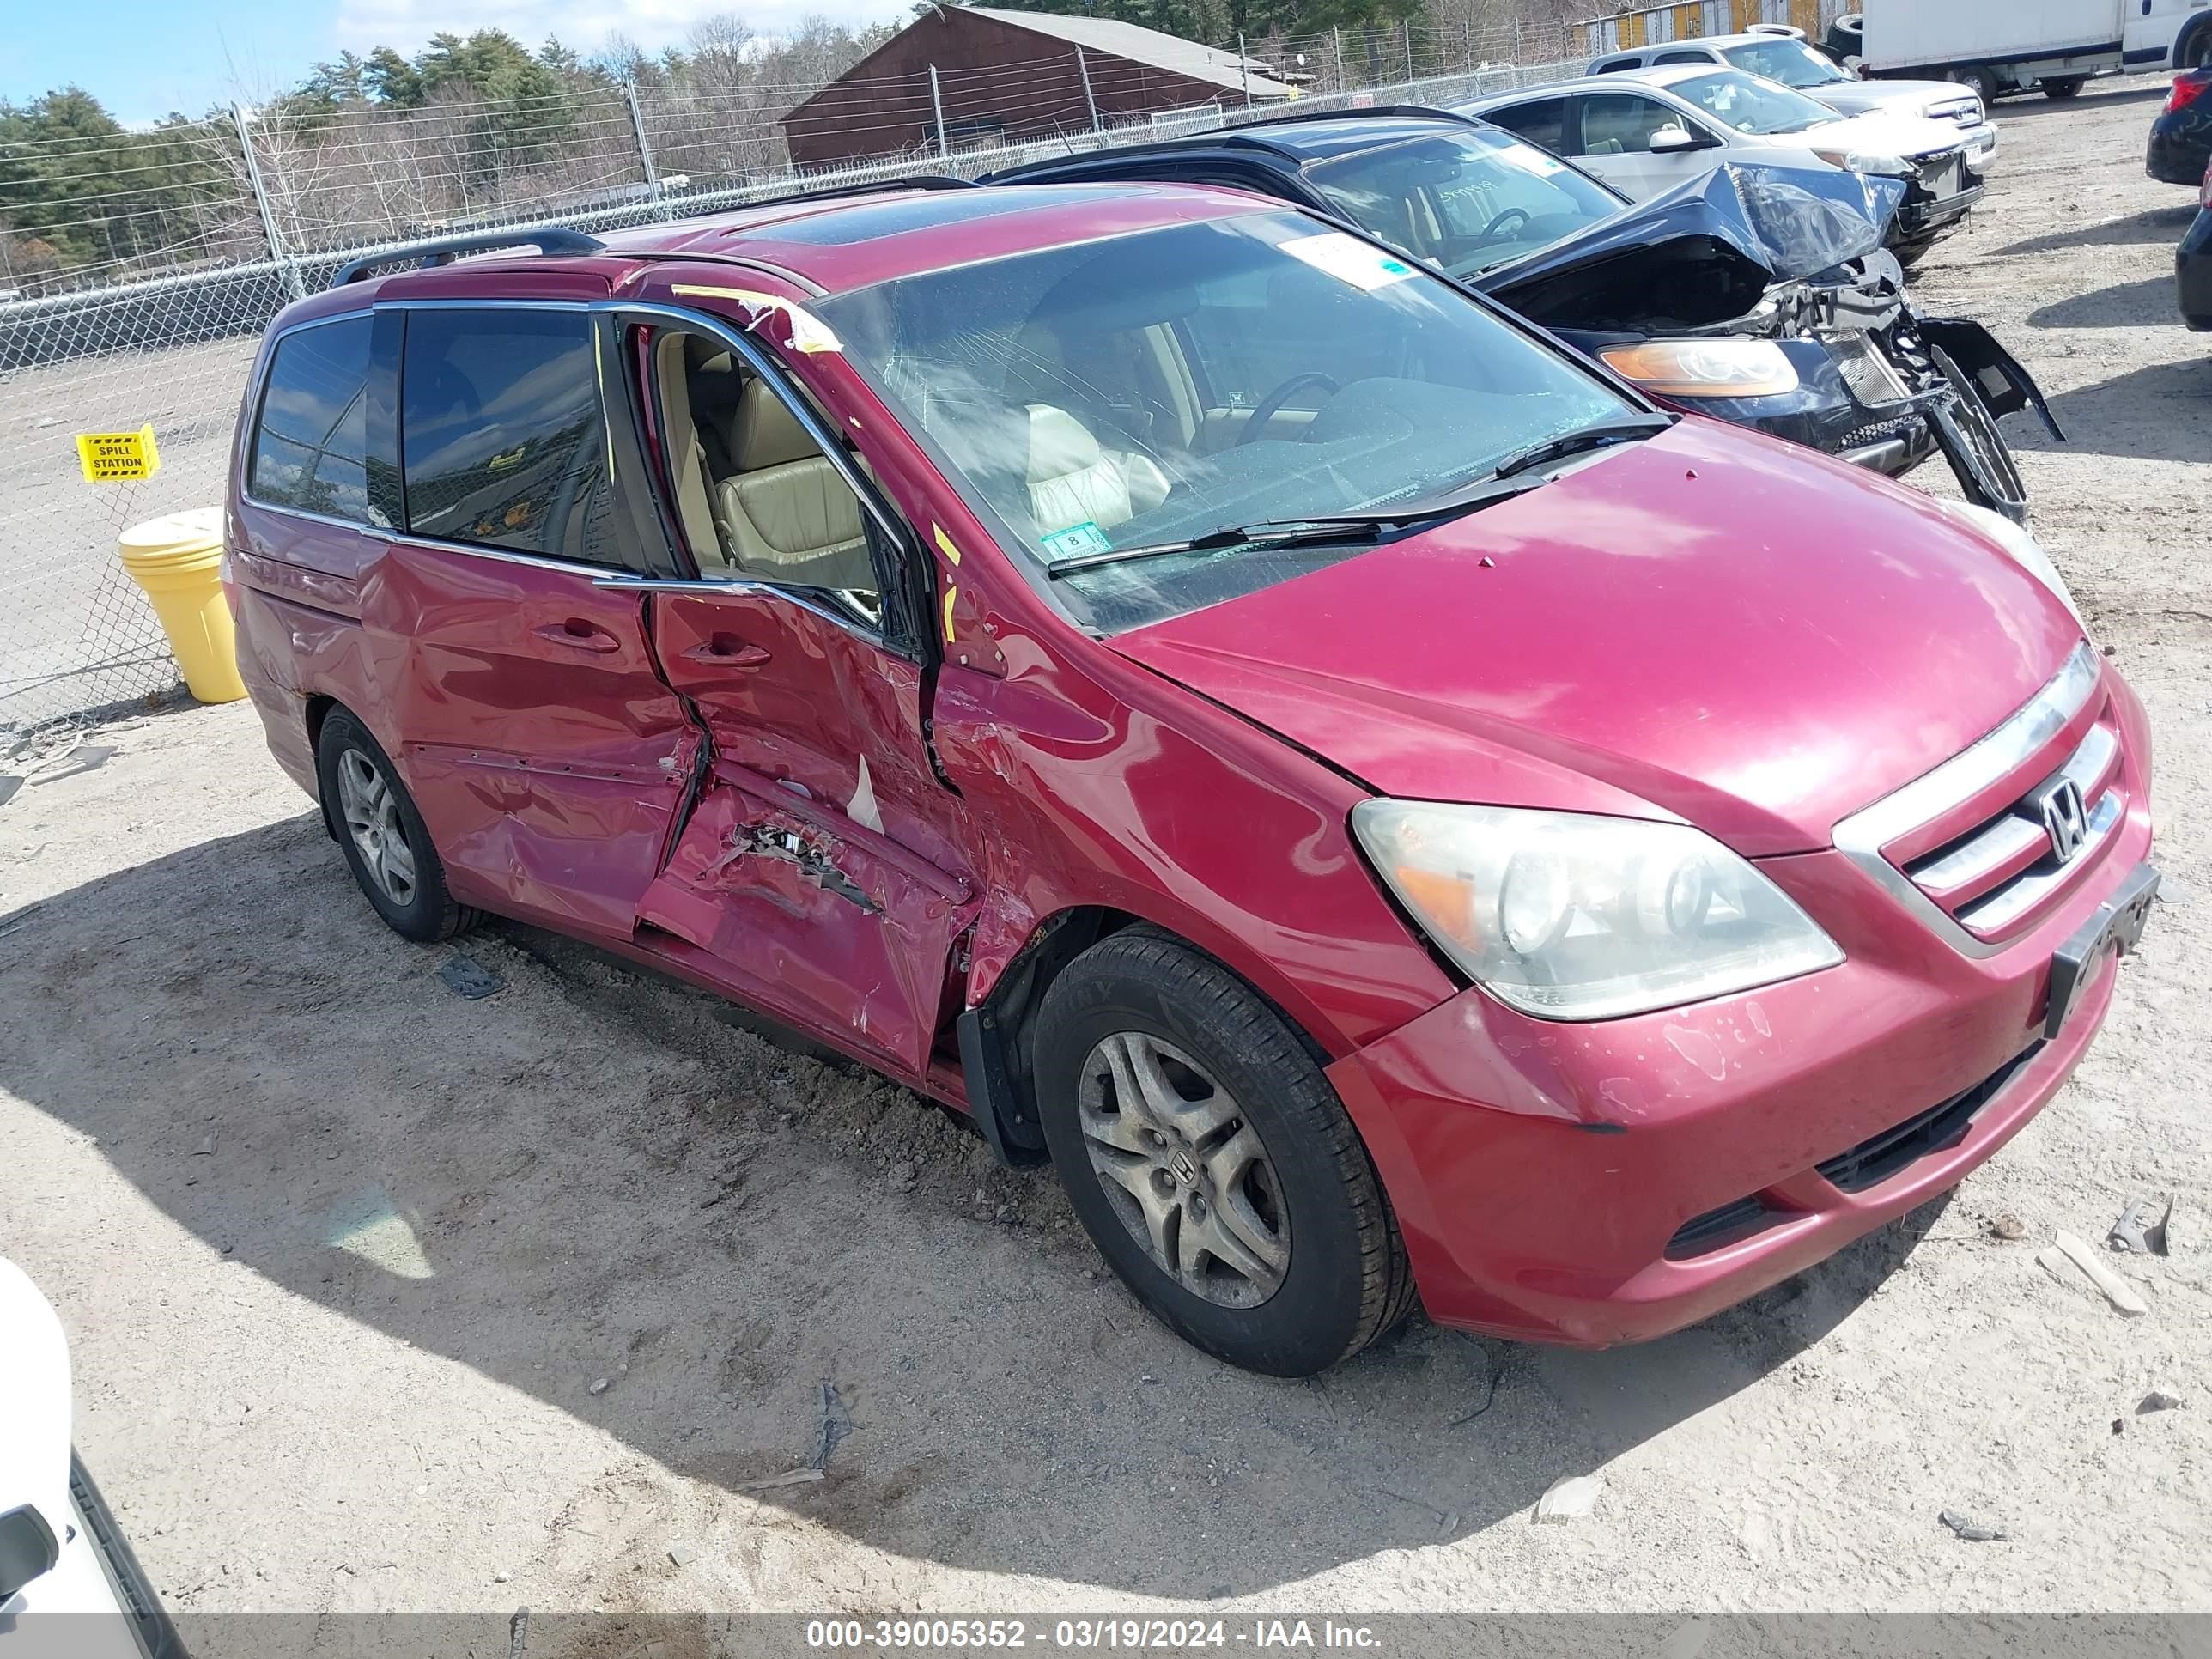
(1006, 76)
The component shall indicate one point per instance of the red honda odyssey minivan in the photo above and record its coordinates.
(1381, 806)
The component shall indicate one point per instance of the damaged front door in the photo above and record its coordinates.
(817, 870)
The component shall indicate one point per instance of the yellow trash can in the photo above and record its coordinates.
(178, 560)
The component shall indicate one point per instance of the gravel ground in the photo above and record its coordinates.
(384, 1300)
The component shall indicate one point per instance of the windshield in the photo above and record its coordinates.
(1792, 62)
(1169, 383)
(1466, 200)
(1749, 105)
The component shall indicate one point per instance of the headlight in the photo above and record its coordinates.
(1569, 916)
(1705, 368)
(2025, 551)
(1853, 161)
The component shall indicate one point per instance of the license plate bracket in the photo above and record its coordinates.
(2115, 929)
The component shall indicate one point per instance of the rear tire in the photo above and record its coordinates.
(1212, 1163)
(385, 840)
(1984, 81)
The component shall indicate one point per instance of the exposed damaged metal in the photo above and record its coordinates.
(812, 855)
(1796, 257)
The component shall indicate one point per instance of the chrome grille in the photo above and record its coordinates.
(1984, 845)
(2005, 870)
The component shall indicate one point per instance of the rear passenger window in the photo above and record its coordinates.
(1614, 65)
(1543, 122)
(1691, 57)
(311, 444)
(502, 440)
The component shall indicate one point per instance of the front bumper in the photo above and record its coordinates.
(1924, 219)
(1552, 1181)
(2192, 268)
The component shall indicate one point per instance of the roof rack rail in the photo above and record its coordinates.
(831, 193)
(550, 239)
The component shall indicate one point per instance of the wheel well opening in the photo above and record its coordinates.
(318, 710)
(998, 1046)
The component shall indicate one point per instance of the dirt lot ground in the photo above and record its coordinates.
(381, 1300)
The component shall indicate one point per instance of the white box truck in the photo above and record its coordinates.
(1998, 46)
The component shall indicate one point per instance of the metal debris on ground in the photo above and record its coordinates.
(2171, 891)
(206, 1149)
(85, 757)
(2136, 1234)
(1570, 1498)
(464, 976)
(2070, 1247)
(790, 1478)
(2156, 1402)
(836, 1423)
(1973, 1531)
(682, 1555)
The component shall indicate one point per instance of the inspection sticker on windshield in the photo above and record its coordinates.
(1076, 540)
(1348, 260)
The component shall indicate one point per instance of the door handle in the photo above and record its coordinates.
(578, 634)
(722, 652)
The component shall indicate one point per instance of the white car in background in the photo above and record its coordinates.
(1781, 54)
(1644, 131)
(70, 1587)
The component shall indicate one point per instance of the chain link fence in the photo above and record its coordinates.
(210, 228)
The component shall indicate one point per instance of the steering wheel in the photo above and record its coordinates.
(1495, 229)
(1272, 404)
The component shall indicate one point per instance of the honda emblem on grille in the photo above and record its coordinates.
(2065, 818)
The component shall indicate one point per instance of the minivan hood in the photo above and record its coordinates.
(1711, 625)
(1703, 253)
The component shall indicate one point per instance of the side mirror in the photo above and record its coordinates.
(27, 1549)
(1674, 140)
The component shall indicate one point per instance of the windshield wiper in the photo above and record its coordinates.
(1573, 443)
(1269, 533)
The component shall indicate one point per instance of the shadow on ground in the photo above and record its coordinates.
(2153, 227)
(2161, 413)
(591, 1188)
(2146, 304)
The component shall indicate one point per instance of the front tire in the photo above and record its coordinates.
(1212, 1163)
(385, 840)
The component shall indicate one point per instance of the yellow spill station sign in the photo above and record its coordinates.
(118, 457)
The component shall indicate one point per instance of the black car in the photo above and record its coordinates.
(2181, 137)
(1759, 296)
(2193, 267)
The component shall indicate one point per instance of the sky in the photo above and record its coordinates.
(143, 58)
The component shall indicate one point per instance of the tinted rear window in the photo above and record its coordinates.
(1543, 122)
(311, 444)
(501, 437)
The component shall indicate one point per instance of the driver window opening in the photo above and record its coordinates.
(755, 497)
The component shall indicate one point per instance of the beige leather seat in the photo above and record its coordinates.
(1073, 481)
(788, 513)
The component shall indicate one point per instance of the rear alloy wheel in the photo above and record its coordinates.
(385, 839)
(1210, 1160)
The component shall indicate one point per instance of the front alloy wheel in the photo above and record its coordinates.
(1184, 1169)
(1202, 1148)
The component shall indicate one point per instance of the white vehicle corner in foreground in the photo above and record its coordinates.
(70, 1587)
